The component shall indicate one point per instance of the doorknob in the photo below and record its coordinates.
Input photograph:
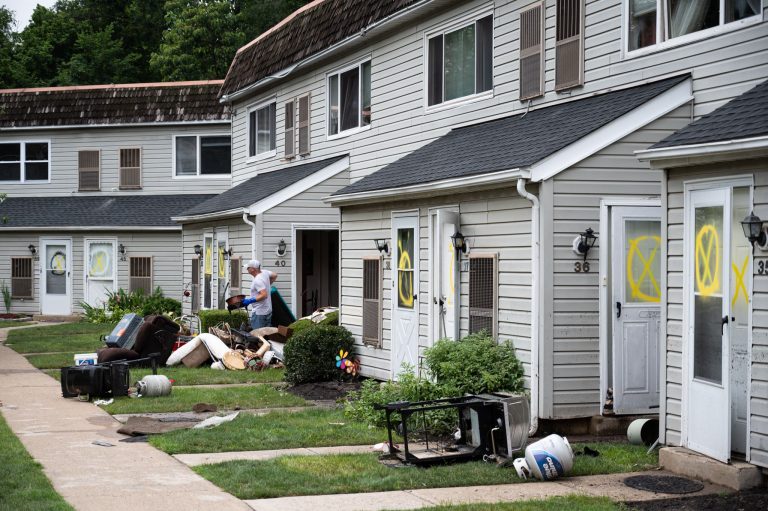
(618, 310)
(722, 325)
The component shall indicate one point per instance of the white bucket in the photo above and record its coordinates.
(549, 458)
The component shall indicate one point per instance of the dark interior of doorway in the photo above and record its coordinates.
(317, 261)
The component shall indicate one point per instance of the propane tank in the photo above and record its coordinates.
(547, 459)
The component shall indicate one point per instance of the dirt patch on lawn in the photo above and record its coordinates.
(745, 500)
(324, 391)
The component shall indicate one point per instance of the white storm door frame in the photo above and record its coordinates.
(86, 253)
(404, 220)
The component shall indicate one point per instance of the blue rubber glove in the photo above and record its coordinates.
(248, 301)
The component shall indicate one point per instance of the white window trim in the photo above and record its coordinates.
(252, 108)
(22, 155)
(451, 26)
(198, 136)
(338, 71)
(722, 28)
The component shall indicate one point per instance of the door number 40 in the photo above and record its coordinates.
(581, 267)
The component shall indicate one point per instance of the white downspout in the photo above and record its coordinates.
(535, 263)
(253, 234)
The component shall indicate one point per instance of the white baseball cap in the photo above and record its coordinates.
(253, 263)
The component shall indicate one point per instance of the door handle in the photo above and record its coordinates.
(723, 323)
(618, 310)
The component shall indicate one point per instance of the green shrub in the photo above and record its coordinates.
(209, 318)
(310, 355)
(161, 305)
(300, 325)
(6, 296)
(121, 302)
(331, 319)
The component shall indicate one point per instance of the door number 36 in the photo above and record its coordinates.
(581, 267)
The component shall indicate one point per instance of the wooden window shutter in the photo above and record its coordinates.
(88, 171)
(290, 132)
(194, 288)
(372, 301)
(235, 275)
(304, 127)
(569, 44)
(140, 276)
(22, 282)
(130, 169)
(483, 293)
(532, 52)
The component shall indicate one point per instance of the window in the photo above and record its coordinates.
(140, 276)
(88, 171)
(290, 136)
(654, 21)
(569, 44)
(21, 277)
(531, 52)
(372, 304)
(460, 62)
(202, 155)
(304, 120)
(349, 99)
(130, 168)
(483, 297)
(261, 130)
(24, 161)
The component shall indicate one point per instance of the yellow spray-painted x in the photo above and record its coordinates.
(647, 273)
(707, 277)
(740, 286)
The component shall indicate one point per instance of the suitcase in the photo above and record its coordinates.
(124, 333)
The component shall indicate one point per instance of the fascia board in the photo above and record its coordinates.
(685, 155)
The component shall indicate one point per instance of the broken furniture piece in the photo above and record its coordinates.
(101, 380)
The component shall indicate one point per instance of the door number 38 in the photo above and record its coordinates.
(581, 267)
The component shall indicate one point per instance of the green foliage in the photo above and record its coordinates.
(209, 318)
(310, 355)
(121, 302)
(300, 325)
(6, 296)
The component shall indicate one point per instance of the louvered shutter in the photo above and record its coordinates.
(195, 287)
(130, 169)
(140, 274)
(21, 277)
(88, 171)
(235, 275)
(569, 44)
(483, 293)
(532, 52)
(372, 303)
(304, 125)
(290, 133)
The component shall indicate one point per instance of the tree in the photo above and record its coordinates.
(7, 25)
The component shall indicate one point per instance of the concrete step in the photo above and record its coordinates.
(738, 475)
(57, 319)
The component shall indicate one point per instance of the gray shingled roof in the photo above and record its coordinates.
(258, 188)
(112, 104)
(95, 211)
(517, 141)
(745, 116)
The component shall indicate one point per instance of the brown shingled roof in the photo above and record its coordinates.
(309, 30)
(113, 104)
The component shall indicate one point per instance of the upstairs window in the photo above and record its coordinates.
(261, 130)
(89, 170)
(569, 44)
(460, 61)
(130, 168)
(202, 155)
(655, 21)
(24, 161)
(349, 99)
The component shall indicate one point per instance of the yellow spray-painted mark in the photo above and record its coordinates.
(98, 266)
(208, 259)
(707, 277)
(222, 269)
(58, 263)
(740, 286)
(647, 272)
(451, 283)
(404, 278)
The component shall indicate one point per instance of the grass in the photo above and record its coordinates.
(353, 473)
(52, 360)
(74, 343)
(64, 329)
(569, 503)
(4, 323)
(182, 400)
(200, 375)
(276, 430)
(58, 342)
(23, 484)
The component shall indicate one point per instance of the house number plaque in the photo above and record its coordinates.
(761, 267)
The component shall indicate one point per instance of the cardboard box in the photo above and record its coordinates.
(196, 357)
(86, 359)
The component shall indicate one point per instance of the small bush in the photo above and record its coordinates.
(300, 325)
(310, 355)
(122, 302)
(6, 296)
(161, 305)
(209, 318)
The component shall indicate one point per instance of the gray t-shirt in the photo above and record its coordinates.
(261, 281)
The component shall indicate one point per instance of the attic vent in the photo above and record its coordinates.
(88, 171)
(290, 133)
(531, 52)
(569, 44)
(130, 169)
(21, 277)
(372, 281)
(140, 276)
(304, 125)
(483, 293)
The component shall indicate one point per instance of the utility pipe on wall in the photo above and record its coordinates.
(253, 234)
(535, 263)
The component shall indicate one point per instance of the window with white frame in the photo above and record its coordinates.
(24, 161)
(202, 155)
(261, 129)
(349, 98)
(650, 22)
(460, 61)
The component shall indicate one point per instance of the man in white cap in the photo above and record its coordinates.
(261, 296)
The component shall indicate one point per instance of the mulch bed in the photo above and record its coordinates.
(745, 500)
(324, 391)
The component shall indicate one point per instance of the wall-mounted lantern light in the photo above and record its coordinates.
(583, 242)
(32, 249)
(282, 248)
(198, 250)
(753, 230)
(382, 246)
(121, 251)
(459, 244)
(227, 254)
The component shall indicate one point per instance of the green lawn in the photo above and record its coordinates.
(65, 329)
(59, 342)
(4, 323)
(353, 473)
(276, 430)
(182, 400)
(569, 503)
(23, 484)
(201, 375)
(74, 343)
(52, 360)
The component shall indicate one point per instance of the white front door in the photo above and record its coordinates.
(56, 273)
(708, 262)
(100, 270)
(444, 275)
(636, 270)
(405, 291)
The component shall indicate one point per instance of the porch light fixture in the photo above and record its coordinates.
(32, 249)
(121, 249)
(753, 229)
(227, 254)
(282, 248)
(198, 250)
(584, 241)
(382, 246)
(459, 244)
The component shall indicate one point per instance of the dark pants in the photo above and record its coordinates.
(260, 321)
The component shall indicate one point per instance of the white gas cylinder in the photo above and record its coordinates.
(547, 459)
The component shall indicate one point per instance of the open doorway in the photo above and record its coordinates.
(317, 269)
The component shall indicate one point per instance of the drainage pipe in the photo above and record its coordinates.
(535, 264)
(253, 234)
